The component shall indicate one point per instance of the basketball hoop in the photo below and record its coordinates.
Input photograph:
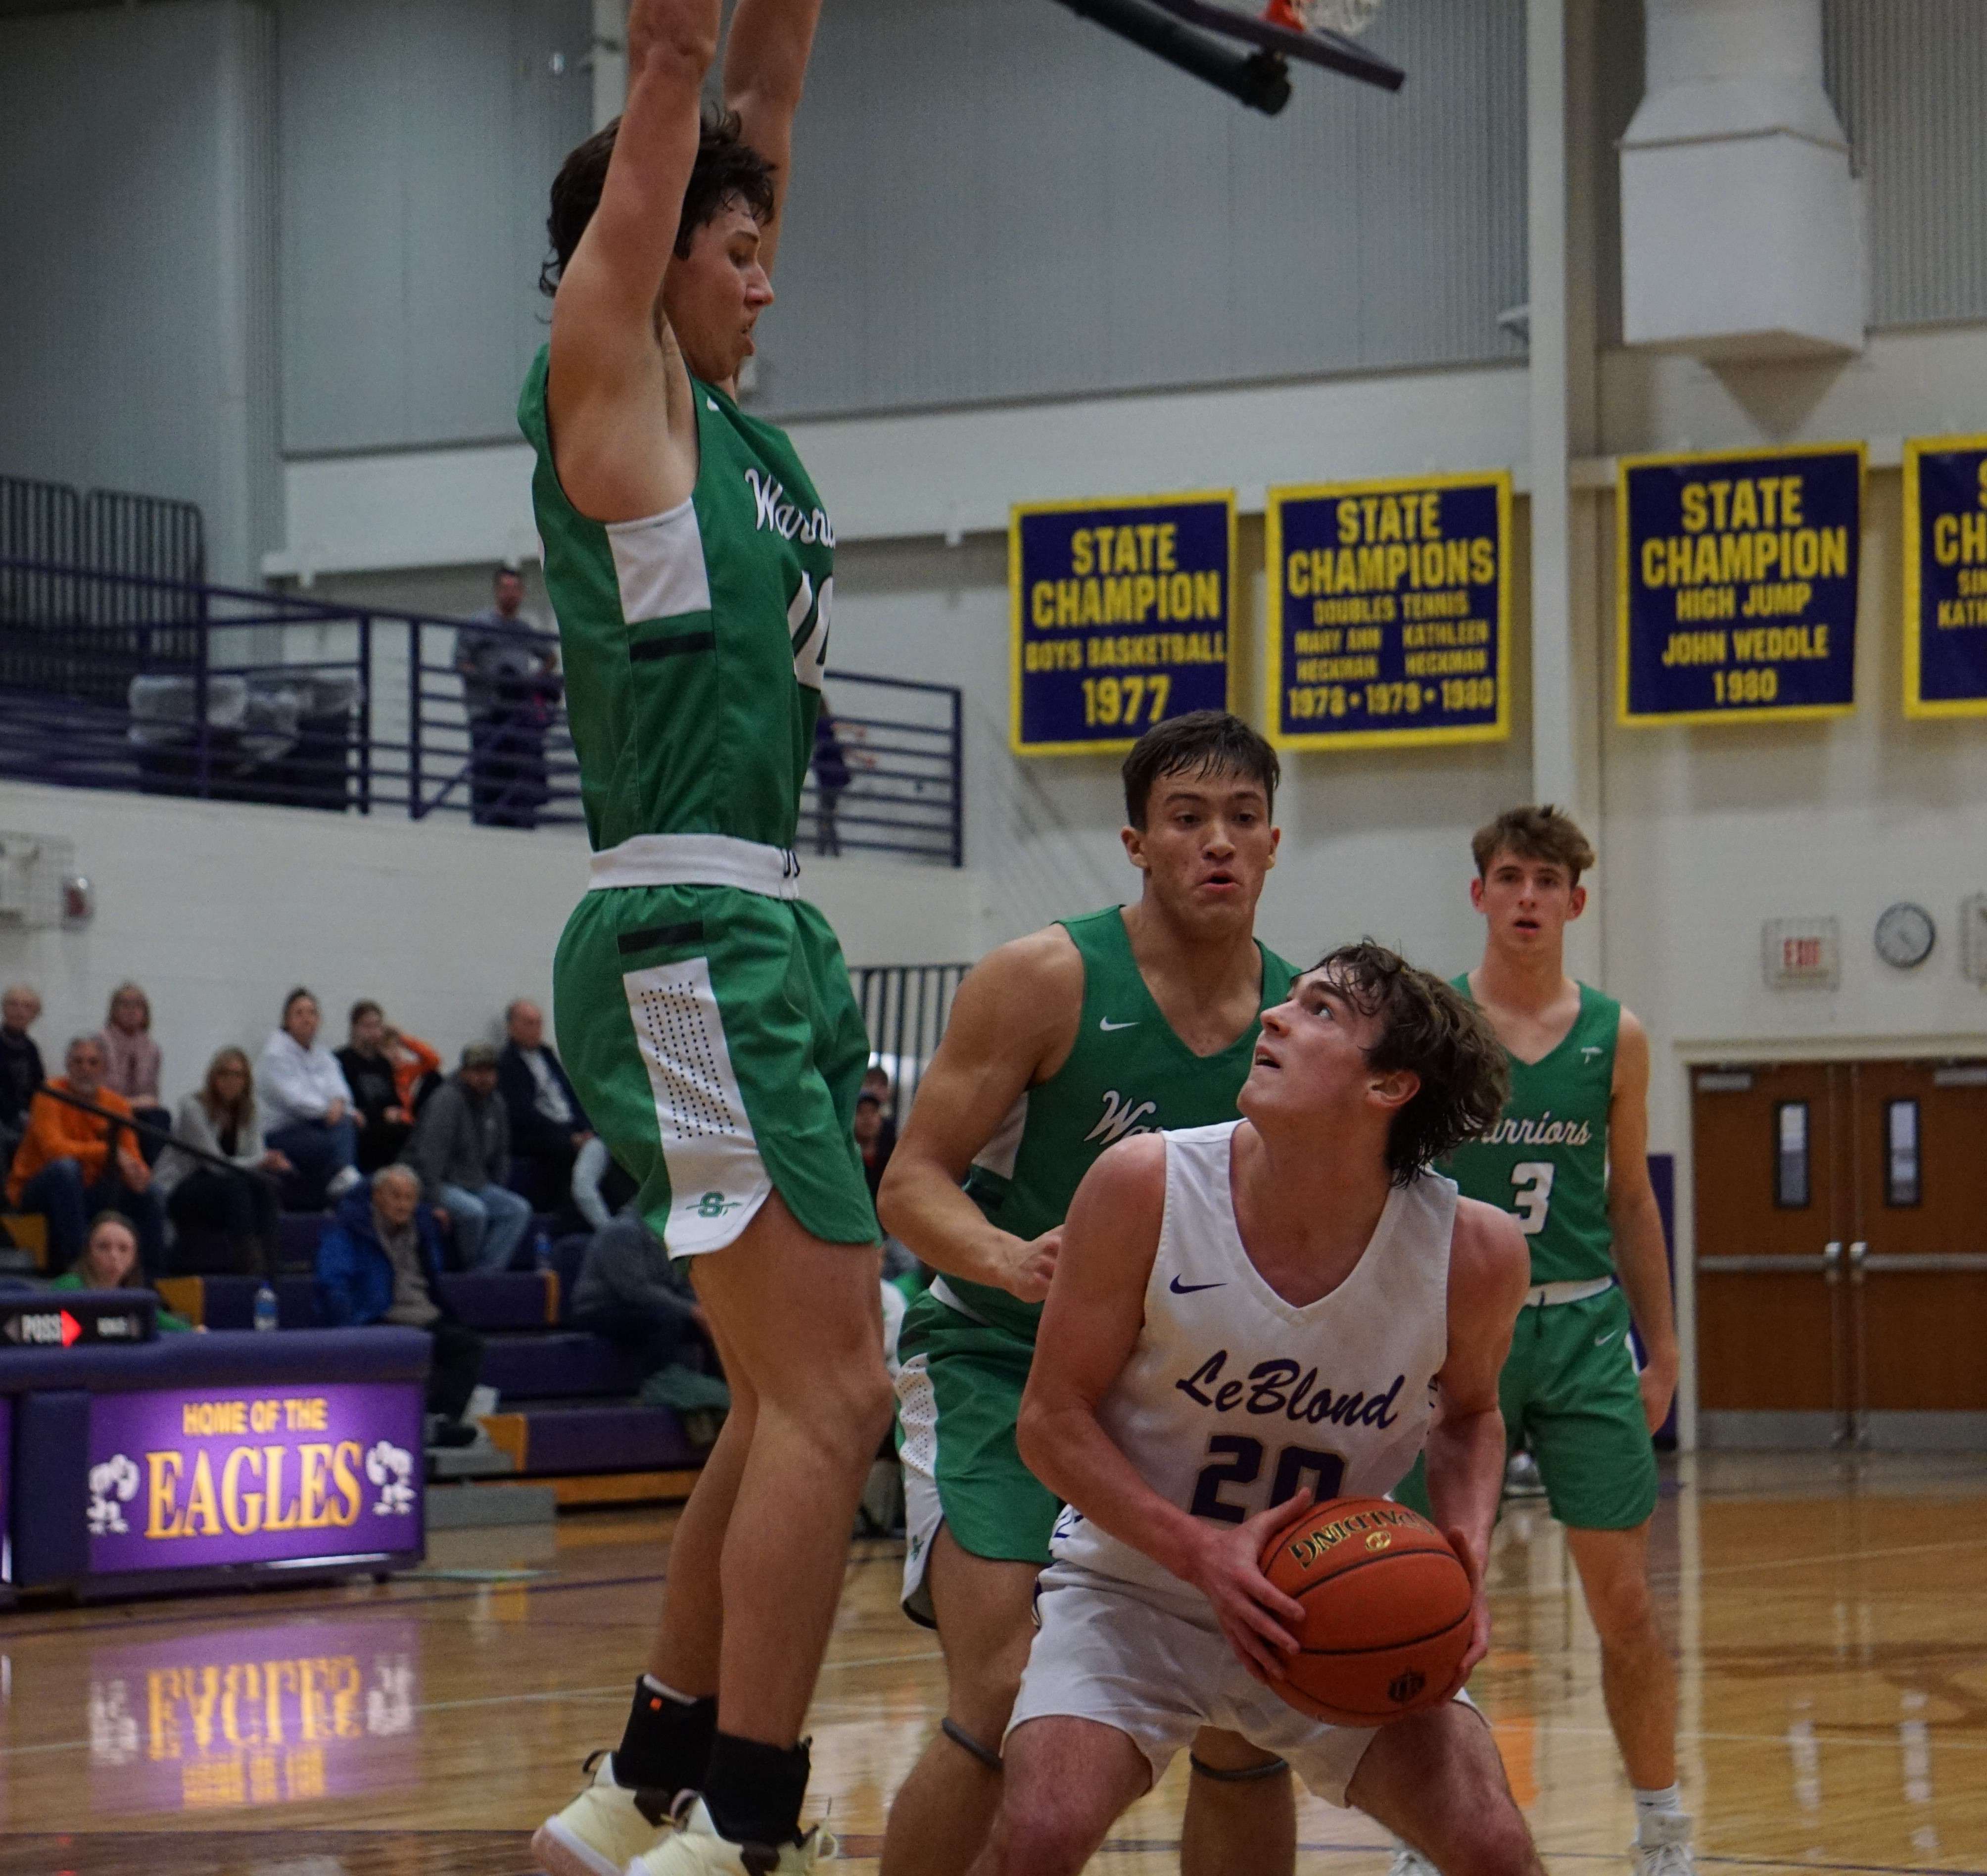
(1348, 18)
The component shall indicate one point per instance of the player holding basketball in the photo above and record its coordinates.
(1243, 1314)
(703, 1011)
(1056, 1045)
(1570, 1157)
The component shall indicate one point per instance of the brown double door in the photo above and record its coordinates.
(1841, 1248)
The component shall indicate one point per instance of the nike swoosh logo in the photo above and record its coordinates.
(1180, 1289)
(1601, 1342)
(1105, 1023)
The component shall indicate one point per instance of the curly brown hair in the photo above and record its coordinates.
(1437, 1034)
(727, 170)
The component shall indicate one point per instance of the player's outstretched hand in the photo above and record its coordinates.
(1032, 1265)
(1480, 1625)
(1254, 1614)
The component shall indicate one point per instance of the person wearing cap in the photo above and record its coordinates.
(461, 1150)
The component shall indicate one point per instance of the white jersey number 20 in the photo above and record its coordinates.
(1531, 1180)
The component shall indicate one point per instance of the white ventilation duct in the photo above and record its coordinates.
(1741, 223)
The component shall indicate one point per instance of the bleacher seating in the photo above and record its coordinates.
(566, 1396)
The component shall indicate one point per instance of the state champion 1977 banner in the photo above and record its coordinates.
(1737, 572)
(1121, 613)
(1945, 577)
(1390, 612)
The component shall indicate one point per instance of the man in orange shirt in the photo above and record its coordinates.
(71, 1164)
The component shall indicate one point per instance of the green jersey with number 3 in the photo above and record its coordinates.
(1546, 1160)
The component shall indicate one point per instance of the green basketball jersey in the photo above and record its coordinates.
(1129, 1072)
(694, 641)
(1546, 1160)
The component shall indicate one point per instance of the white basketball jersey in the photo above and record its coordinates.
(1233, 1399)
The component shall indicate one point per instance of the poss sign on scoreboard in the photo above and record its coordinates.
(1390, 612)
(1737, 573)
(1120, 612)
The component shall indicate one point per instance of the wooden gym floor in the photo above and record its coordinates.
(1830, 1616)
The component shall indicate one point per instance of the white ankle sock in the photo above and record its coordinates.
(670, 1693)
(1664, 1804)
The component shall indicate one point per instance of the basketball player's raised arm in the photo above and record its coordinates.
(1095, 1310)
(1012, 1023)
(1641, 1260)
(765, 67)
(1490, 1269)
(617, 399)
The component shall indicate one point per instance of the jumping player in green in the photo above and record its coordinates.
(703, 1009)
(1569, 1157)
(1125, 1021)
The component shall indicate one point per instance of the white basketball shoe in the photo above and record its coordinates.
(1410, 1862)
(1662, 1846)
(694, 1848)
(605, 1829)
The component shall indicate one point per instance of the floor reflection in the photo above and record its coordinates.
(1829, 1625)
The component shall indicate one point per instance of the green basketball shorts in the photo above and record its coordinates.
(713, 1039)
(1569, 1391)
(958, 1397)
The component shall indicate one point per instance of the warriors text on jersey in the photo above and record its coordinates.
(1547, 1158)
(694, 641)
(1233, 1399)
(1128, 1072)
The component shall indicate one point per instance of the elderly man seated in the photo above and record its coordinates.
(379, 1261)
(72, 1162)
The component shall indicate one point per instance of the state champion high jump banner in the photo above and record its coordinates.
(1737, 570)
(1945, 577)
(1390, 612)
(1120, 612)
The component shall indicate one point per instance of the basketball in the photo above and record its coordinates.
(1386, 1611)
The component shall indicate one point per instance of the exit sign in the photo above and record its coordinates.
(1801, 953)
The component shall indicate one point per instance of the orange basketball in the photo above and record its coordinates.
(1386, 1603)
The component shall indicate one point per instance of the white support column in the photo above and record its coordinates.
(1554, 776)
(609, 63)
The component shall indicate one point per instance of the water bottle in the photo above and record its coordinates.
(541, 1251)
(265, 1307)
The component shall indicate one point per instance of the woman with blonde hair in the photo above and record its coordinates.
(226, 1221)
(110, 1261)
(131, 1062)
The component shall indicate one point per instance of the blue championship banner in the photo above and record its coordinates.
(1390, 612)
(1945, 577)
(1120, 614)
(1737, 573)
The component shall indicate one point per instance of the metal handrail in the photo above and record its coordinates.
(383, 738)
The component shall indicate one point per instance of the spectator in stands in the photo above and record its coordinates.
(599, 1186)
(132, 1061)
(20, 1065)
(461, 1148)
(308, 1117)
(870, 1141)
(379, 1261)
(110, 1261)
(238, 1209)
(509, 685)
(831, 777)
(372, 1070)
(72, 1162)
(548, 1126)
(630, 1291)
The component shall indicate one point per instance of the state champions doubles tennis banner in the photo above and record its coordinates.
(1945, 577)
(1737, 570)
(1121, 613)
(1390, 612)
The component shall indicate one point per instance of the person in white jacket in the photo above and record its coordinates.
(307, 1108)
